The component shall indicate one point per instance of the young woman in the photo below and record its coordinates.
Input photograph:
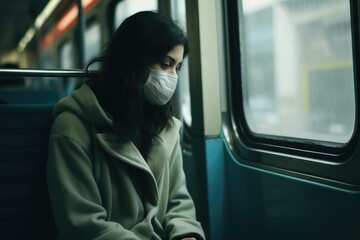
(115, 164)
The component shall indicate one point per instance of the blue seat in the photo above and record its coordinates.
(24, 204)
(28, 96)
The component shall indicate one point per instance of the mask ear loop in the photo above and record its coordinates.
(148, 77)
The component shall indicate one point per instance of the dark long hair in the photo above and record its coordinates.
(143, 38)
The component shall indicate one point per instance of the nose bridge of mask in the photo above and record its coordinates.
(159, 72)
(164, 80)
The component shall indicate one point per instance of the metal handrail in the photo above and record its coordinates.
(27, 72)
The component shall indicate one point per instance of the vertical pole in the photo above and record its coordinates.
(81, 33)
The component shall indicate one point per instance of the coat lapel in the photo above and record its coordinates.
(158, 157)
(126, 152)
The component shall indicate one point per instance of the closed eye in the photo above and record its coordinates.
(165, 66)
(169, 62)
(178, 67)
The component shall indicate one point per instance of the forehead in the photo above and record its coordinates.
(176, 53)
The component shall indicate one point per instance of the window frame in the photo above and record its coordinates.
(310, 159)
(334, 152)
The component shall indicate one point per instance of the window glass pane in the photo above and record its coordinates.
(92, 41)
(47, 59)
(67, 61)
(66, 55)
(179, 15)
(297, 68)
(128, 7)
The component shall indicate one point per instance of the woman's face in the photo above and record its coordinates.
(171, 63)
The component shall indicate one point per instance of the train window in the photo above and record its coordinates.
(67, 61)
(92, 41)
(178, 13)
(297, 69)
(66, 55)
(126, 8)
(47, 59)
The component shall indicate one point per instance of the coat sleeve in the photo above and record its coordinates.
(74, 195)
(180, 219)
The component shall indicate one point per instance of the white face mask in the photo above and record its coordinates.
(159, 87)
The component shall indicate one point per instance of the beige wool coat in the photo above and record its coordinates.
(102, 189)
